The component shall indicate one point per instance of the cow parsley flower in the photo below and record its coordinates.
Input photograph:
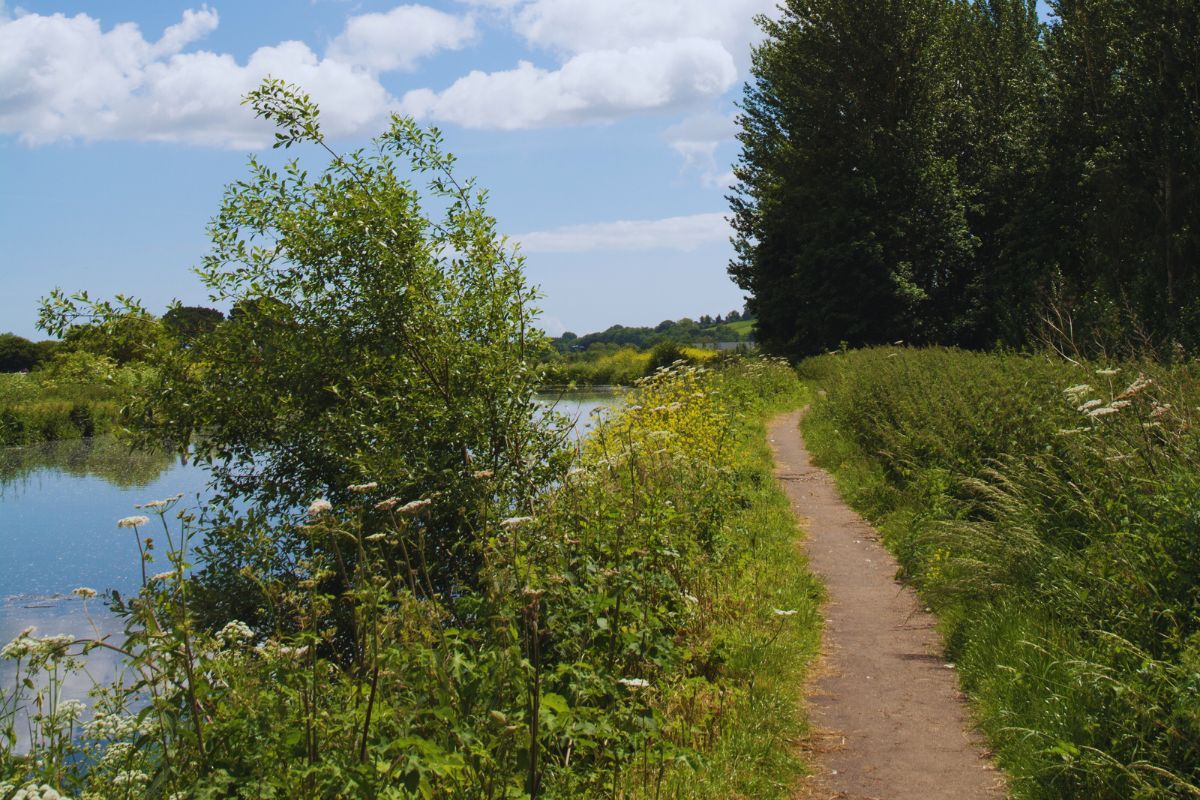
(319, 507)
(634, 683)
(132, 522)
(363, 488)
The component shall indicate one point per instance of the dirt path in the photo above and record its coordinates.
(888, 720)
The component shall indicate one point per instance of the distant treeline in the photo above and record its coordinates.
(958, 172)
(733, 327)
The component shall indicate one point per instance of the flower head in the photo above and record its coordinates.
(84, 592)
(780, 612)
(514, 522)
(411, 509)
(634, 683)
(132, 522)
(318, 507)
(363, 488)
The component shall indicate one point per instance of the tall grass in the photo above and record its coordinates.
(1050, 512)
(641, 631)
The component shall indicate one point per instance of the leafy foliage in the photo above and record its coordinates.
(621, 639)
(959, 173)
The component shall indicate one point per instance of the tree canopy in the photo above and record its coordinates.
(954, 171)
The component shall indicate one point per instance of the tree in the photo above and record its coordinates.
(375, 342)
(1124, 144)
(17, 354)
(188, 322)
(849, 220)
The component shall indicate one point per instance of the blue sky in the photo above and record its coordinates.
(603, 129)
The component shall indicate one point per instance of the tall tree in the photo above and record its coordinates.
(850, 223)
(1126, 144)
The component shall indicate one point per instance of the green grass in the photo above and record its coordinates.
(1059, 548)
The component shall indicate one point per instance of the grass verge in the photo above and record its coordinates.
(1047, 511)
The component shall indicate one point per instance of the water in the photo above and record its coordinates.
(59, 504)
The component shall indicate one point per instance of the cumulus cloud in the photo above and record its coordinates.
(673, 233)
(67, 78)
(615, 58)
(397, 39)
(576, 26)
(597, 85)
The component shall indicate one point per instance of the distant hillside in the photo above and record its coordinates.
(706, 330)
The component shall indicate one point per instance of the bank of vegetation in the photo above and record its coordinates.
(407, 583)
(1046, 510)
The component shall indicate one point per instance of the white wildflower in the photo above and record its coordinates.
(363, 488)
(1108, 372)
(1077, 391)
(411, 509)
(1137, 387)
(634, 683)
(514, 522)
(1102, 412)
(235, 631)
(162, 576)
(482, 474)
(387, 505)
(84, 592)
(132, 522)
(780, 612)
(1119, 404)
(1090, 404)
(319, 507)
(1160, 409)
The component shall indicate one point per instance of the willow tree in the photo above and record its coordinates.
(380, 333)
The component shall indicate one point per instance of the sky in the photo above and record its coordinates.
(603, 130)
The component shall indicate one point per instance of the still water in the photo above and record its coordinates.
(59, 504)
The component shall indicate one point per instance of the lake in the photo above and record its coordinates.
(59, 503)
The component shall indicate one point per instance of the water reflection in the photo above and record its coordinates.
(102, 457)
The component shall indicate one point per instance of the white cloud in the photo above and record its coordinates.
(696, 138)
(66, 78)
(598, 85)
(396, 39)
(673, 233)
(576, 26)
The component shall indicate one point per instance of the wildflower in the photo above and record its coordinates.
(1107, 372)
(132, 522)
(691, 598)
(363, 488)
(514, 522)
(84, 592)
(1102, 412)
(21, 646)
(482, 474)
(377, 537)
(1160, 409)
(411, 509)
(1077, 391)
(387, 505)
(573, 471)
(162, 576)
(1136, 388)
(235, 631)
(780, 612)
(1119, 404)
(319, 507)
(1090, 404)
(634, 683)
